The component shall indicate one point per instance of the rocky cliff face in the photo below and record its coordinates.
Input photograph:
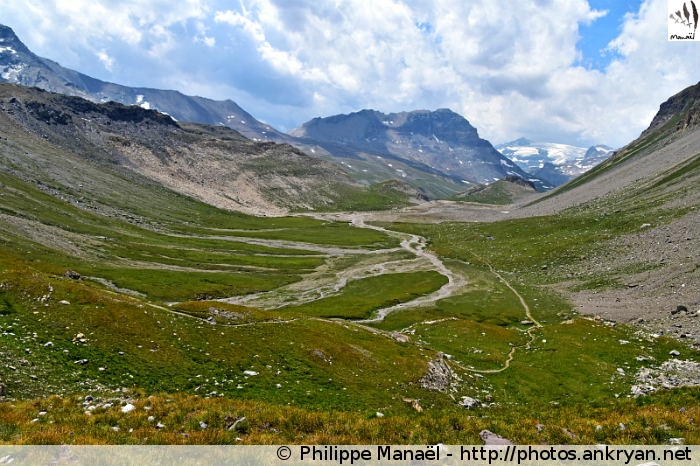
(684, 106)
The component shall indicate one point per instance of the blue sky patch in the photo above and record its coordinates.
(596, 36)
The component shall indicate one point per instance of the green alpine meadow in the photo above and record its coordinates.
(172, 282)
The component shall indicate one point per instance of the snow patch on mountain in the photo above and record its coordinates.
(12, 73)
(142, 103)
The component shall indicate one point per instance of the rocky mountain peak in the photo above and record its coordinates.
(9, 40)
(441, 143)
(686, 104)
(368, 124)
(11, 48)
(344, 128)
(598, 151)
(442, 123)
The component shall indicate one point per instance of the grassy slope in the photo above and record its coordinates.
(317, 379)
(501, 192)
(65, 422)
(143, 342)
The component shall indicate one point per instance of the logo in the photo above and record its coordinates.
(683, 20)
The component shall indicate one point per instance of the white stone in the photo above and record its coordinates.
(127, 408)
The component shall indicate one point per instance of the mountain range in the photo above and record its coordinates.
(556, 163)
(19, 65)
(105, 143)
(438, 153)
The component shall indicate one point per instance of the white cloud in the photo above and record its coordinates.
(511, 68)
(202, 36)
(239, 20)
(91, 26)
(648, 71)
(475, 57)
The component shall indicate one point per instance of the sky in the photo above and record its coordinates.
(569, 71)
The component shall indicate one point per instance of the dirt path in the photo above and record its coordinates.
(530, 331)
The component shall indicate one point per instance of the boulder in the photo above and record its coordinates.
(127, 408)
(400, 337)
(72, 274)
(469, 402)
(680, 308)
(439, 375)
(489, 438)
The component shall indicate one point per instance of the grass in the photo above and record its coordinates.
(214, 260)
(538, 250)
(572, 362)
(496, 193)
(676, 174)
(306, 372)
(66, 422)
(130, 344)
(319, 379)
(570, 359)
(471, 344)
(360, 297)
(379, 196)
(177, 285)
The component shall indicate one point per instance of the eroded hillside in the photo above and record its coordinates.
(72, 145)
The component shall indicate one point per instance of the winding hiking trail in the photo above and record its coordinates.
(530, 331)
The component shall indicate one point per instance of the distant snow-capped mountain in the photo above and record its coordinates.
(554, 162)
